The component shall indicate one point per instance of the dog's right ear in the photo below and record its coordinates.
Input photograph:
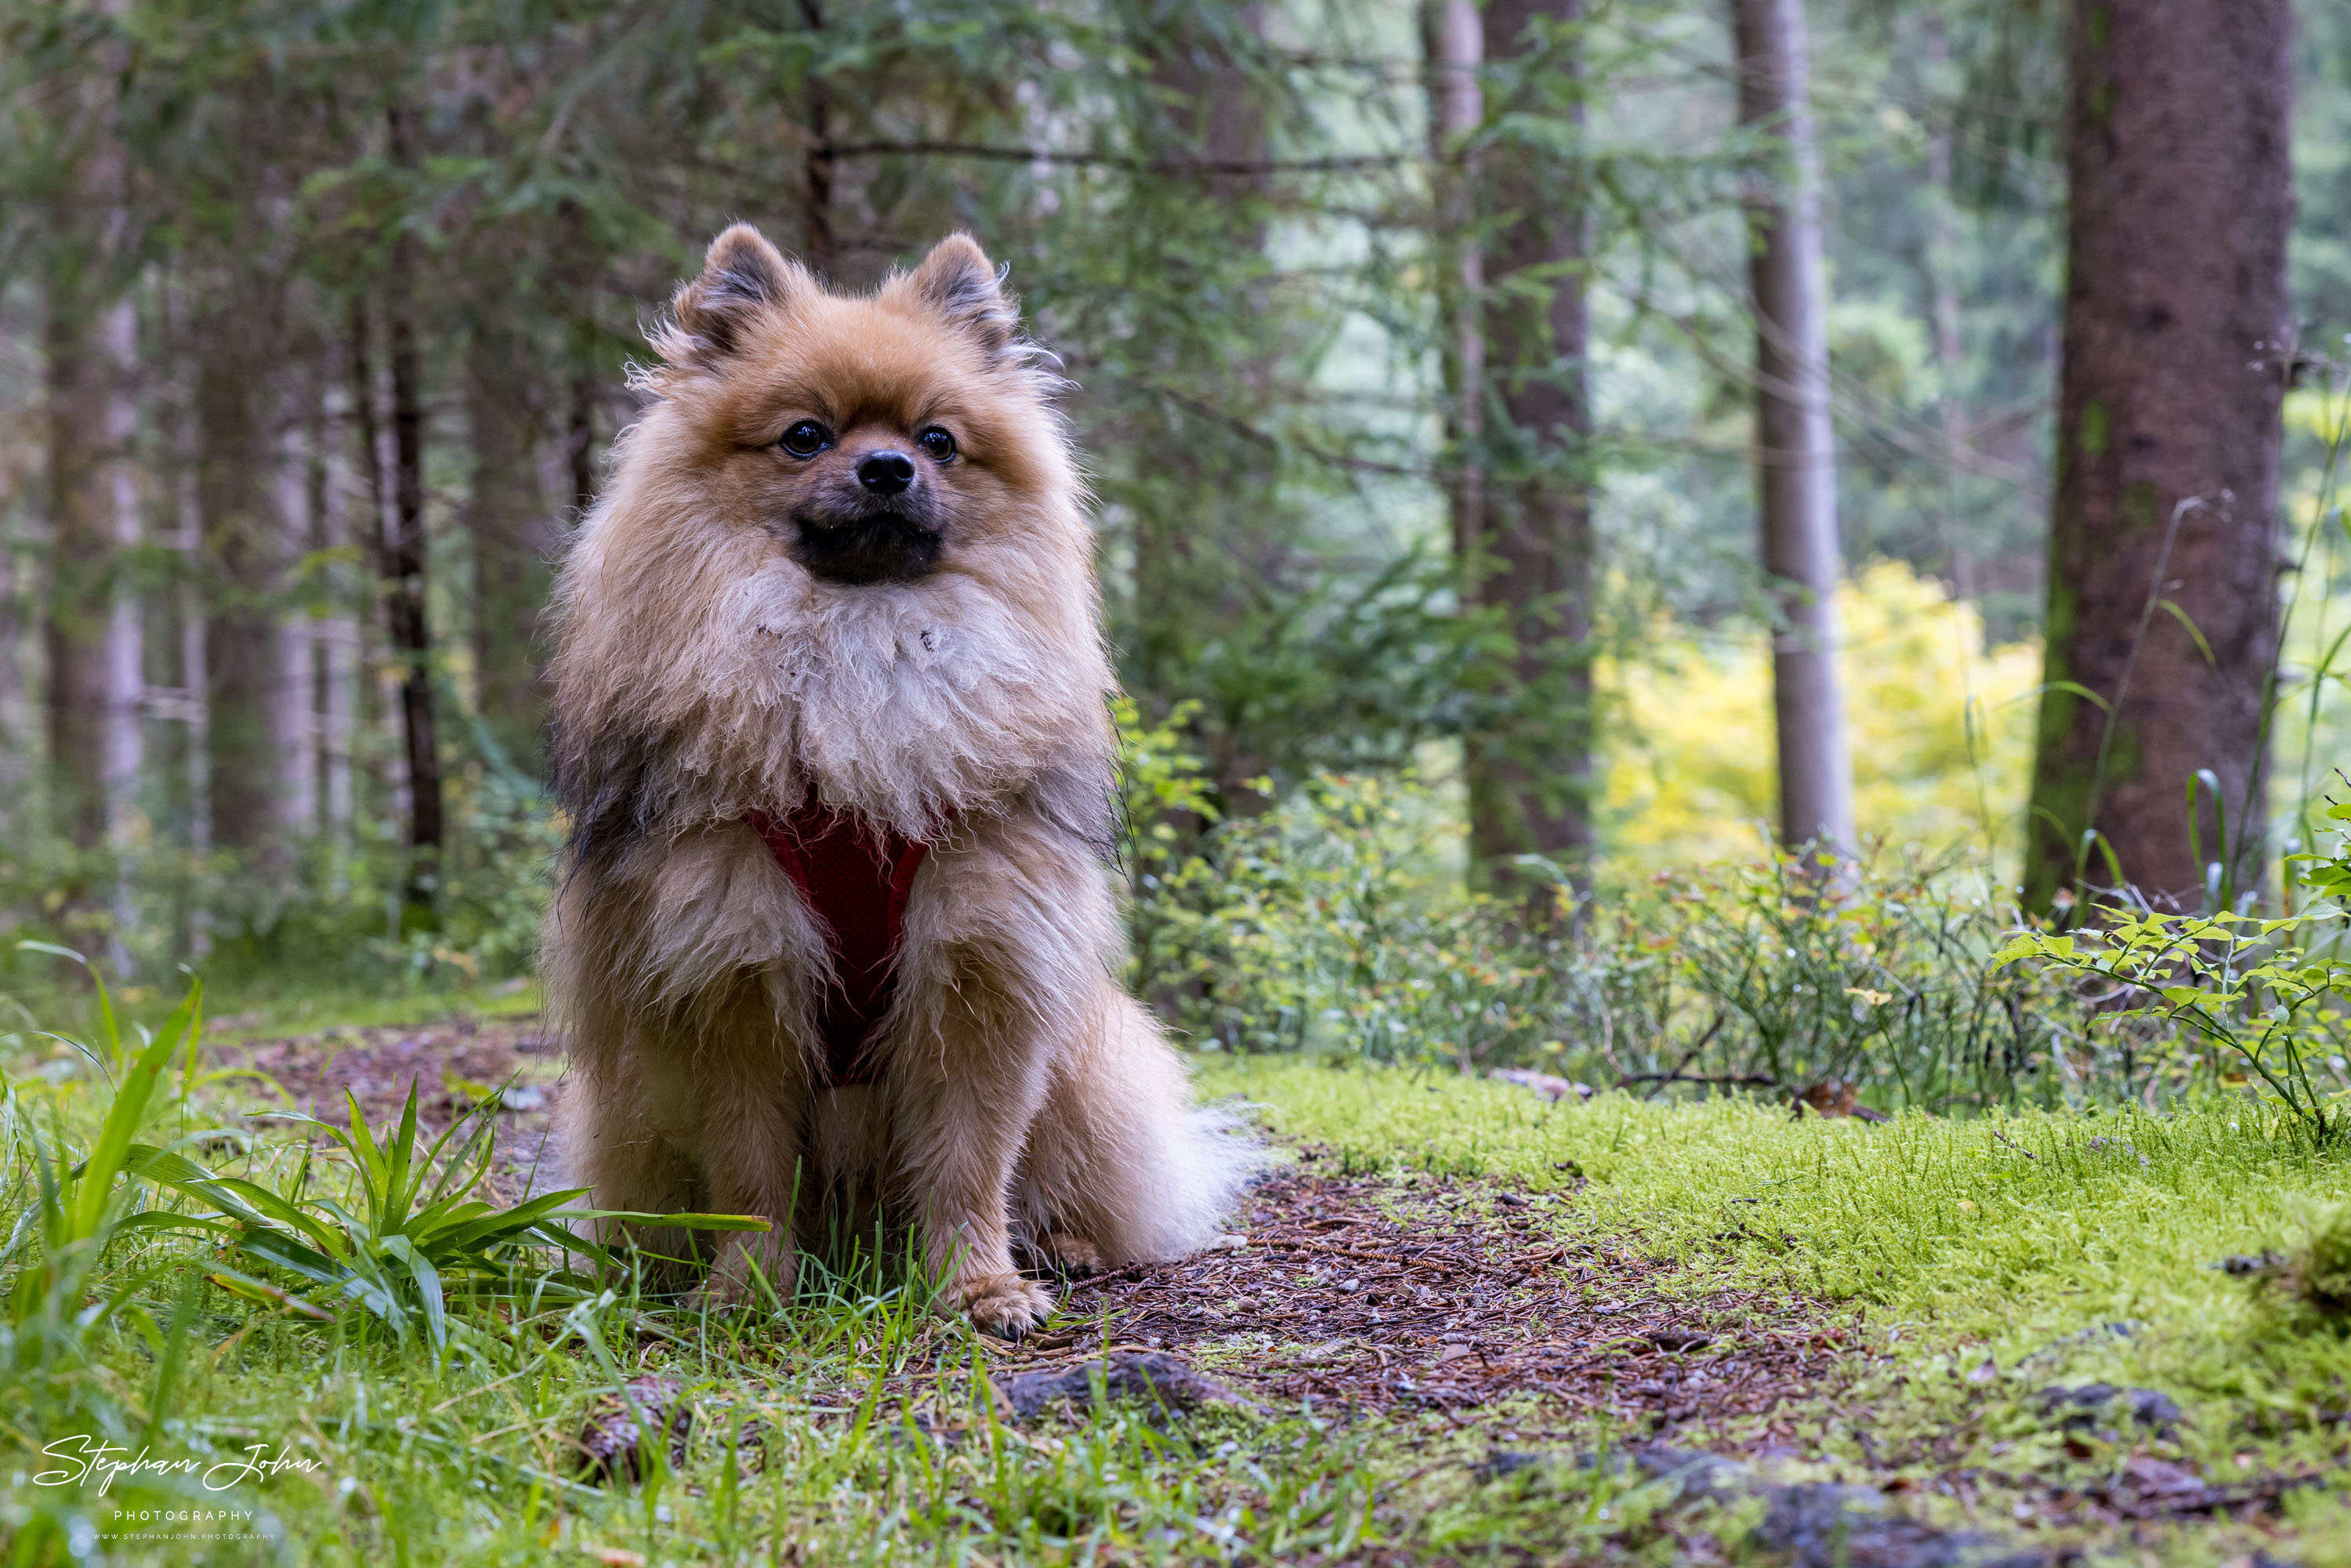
(742, 277)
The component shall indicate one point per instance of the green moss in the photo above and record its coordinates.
(2014, 1238)
(2323, 1274)
(2091, 435)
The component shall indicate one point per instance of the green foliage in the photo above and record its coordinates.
(1876, 975)
(60, 1307)
(395, 1261)
(1328, 921)
(2266, 995)
(409, 1245)
(1335, 920)
(2233, 982)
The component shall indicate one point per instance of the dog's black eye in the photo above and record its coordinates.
(937, 443)
(807, 438)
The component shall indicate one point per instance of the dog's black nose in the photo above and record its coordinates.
(885, 473)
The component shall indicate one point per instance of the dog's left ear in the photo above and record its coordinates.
(959, 281)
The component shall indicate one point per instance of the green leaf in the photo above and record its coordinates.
(266, 1294)
(123, 1117)
(676, 1221)
(159, 1220)
(428, 1280)
(2181, 616)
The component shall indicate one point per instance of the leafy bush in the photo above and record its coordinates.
(1324, 922)
(1880, 978)
(2265, 997)
(1333, 921)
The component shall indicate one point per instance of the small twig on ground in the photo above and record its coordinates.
(1703, 1078)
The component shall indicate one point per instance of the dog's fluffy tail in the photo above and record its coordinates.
(1209, 1154)
(1122, 1160)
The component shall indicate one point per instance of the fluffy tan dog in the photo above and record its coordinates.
(831, 727)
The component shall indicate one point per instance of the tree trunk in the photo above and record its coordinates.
(17, 746)
(1205, 525)
(2177, 333)
(77, 620)
(1795, 456)
(90, 619)
(817, 242)
(244, 587)
(1531, 560)
(579, 435)
(341, 645)
(294, 698)
(124, 747)
(400, 558)
(1453, 38)
(507, 522)
(1942, 270)
(187, 699)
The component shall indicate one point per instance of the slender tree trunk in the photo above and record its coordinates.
(294, 696)
(77, 614)
(1794, 444)
(1942, 269)
(1202, 531)
(400, 556)
(90, 618)
(405, 565)
(17, 745)
(412, 634)
(1530, 776)
(338, 640)
(243, 551)
(507, 521)
(584, 383)
(817, 242)
(579, 437)
(126, 679)
(191, 704)
(2177, 331)
(126, 675)
(1453, 38)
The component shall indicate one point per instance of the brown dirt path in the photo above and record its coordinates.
(1376, 1292)
(1414, 1294)
(451, 1063)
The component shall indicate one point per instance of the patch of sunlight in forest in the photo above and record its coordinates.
(1941, 730)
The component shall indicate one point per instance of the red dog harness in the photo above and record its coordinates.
(856, 878)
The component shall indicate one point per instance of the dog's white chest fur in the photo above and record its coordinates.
(904, 701)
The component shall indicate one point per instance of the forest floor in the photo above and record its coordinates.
(1454, 1323)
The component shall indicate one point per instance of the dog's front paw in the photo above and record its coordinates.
(1007, 1305)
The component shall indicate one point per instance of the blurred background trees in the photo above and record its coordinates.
(1413, 351)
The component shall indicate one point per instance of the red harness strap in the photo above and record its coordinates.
(856, 878)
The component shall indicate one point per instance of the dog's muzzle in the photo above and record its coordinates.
(880, 545)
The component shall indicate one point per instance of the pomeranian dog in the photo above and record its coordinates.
(835, 915)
